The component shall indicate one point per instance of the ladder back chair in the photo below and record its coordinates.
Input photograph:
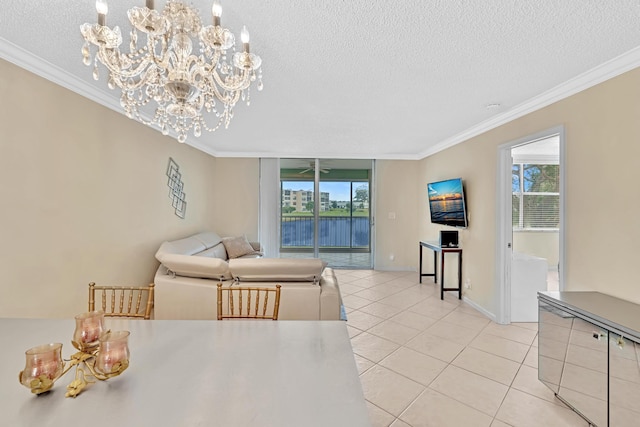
(123, 301)
(243, 302)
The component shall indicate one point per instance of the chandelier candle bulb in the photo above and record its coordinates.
(244, 36)
(103, 9)
(216, 10)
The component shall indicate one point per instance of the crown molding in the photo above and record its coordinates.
(38, 66)
(619, 65)
(601, 73)
(24, 59)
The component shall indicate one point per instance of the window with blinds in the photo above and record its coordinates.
(536, 196)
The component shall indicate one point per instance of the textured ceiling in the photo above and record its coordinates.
(362, 78)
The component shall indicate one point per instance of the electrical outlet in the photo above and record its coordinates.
(467, 283)
(392, 257)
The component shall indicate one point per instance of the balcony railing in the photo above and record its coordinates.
(342, 232)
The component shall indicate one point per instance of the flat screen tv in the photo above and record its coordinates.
(446, 203)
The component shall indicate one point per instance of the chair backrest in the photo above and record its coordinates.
(243, 302)
(123, 301)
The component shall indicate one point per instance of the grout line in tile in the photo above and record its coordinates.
(456, 305)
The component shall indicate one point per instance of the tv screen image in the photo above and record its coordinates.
(446, 203)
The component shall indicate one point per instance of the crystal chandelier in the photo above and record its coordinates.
(164, 68)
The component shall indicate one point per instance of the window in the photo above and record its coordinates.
(536, 196)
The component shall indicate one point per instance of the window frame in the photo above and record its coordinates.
(521, 195)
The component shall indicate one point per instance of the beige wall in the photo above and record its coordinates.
(395, 190)
(237, 197)
(602, 147)
(85, 196)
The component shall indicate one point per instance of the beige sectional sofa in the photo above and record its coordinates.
(190, 269)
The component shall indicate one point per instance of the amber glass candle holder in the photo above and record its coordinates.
(43, 366)
(89, 327)
(113, 354)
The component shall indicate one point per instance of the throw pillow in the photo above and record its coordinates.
(237, 246)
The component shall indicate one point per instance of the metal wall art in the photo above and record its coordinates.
(176, 187)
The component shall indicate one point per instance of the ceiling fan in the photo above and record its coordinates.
(312, 166)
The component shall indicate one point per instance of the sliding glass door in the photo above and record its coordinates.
(325, 211)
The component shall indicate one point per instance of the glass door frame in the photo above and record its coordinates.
(360, 173)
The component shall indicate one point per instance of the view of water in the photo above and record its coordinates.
(333, 232)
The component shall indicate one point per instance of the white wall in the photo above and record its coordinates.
(542, 244)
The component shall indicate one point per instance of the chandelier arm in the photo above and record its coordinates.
(242, 83)
(103, 57)
(235, 98)
(126, 85)
(161, 61)
(209, 67)
(230, 100)
(214, 92)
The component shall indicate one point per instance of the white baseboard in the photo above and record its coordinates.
(479, 308)
(401, 268)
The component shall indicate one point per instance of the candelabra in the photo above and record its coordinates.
(166, 70)
(101, 355)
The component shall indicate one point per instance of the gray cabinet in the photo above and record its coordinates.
(588, 354)
(624, 381)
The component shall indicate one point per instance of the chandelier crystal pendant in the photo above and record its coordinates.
(167, 71)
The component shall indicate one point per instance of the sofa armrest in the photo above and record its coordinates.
(330, 299)
(196, 266)
(180, 297)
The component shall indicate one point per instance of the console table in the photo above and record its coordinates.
(437, 248)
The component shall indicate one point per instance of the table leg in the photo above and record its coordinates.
(459, 275)
(435, 267)
(442, 275)
(420, 271)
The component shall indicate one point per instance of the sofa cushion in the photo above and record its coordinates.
(218, 251)
(208, 238)
(276, 269)
(186, 246)
(237, 246)
(196, 266)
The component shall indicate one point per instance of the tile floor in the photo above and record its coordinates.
(427, 362)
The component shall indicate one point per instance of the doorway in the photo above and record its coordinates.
(530, 218)
(325, 211)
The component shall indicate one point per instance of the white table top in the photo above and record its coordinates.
(195, 373)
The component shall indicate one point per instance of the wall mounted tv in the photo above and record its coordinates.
(446, 203)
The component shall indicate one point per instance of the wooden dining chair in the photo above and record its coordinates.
(243, 302)
(123, 301)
